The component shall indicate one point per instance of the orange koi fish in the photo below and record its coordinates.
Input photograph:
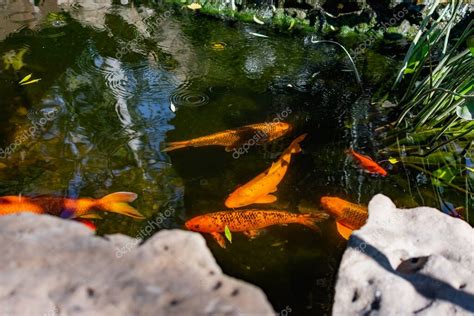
(70, 208)
(349, 216)
(234, 138)
(249, 222)
(368, 163)
(259, 188)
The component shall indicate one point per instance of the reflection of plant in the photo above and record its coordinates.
(436, 129)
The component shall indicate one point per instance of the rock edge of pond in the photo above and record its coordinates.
(57, 267)
(416, 261)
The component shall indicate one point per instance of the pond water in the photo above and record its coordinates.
(122, 80)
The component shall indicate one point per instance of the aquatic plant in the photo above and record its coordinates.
(435, 129)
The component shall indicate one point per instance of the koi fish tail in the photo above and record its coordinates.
(118, 203)
(295, 147)
(310, 220)
(177, 145)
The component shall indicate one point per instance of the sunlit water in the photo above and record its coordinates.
(120, 81)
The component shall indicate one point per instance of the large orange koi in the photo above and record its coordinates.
(259, 188)
(256, 134)
(249, 222)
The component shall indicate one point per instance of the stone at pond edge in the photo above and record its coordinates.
(51, 266)
(407, 262)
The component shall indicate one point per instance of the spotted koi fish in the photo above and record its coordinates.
(235, 138)
(249, 222)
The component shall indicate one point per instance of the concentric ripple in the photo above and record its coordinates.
(188, 98)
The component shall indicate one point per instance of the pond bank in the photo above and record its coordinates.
(62, 269)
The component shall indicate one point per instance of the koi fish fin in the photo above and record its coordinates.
(310, 220)
(117, 203)
(274, 190)
(177, 145)
(269, 198)
(344, 231)
(91, 216)
(252, 233)
(87, 223)
(219, 239)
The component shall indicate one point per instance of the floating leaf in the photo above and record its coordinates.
(30, 82)
(228, 234)
(25, 79)
(466, 111)
(194, 6)
(256, 20)
(393, 160)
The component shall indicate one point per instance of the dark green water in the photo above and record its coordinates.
(124, 80)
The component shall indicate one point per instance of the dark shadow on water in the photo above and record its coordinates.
(427, 286)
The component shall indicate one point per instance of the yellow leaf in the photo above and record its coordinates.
(26, 78)
(30, 82)
(470, 169)
(194, 6)
(258, 21)
(393, 160)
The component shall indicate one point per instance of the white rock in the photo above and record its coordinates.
(407, 262)
(55, 267)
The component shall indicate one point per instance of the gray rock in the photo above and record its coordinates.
(406, 262)
(55, 267)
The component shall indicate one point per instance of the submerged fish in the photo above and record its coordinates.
(234, 138)
(349, 216)
(259, 188)
(368, 163)
(70, 208)
(249, 222)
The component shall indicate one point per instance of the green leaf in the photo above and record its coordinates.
(26, 78)
(228, 234)
(444, 175)
(466, 111)
(470, 44)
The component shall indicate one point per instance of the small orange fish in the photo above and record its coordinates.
(249, 222)
(349, 216)
(256, 134)
(368, 163)
(70, 208)
(259, 188)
